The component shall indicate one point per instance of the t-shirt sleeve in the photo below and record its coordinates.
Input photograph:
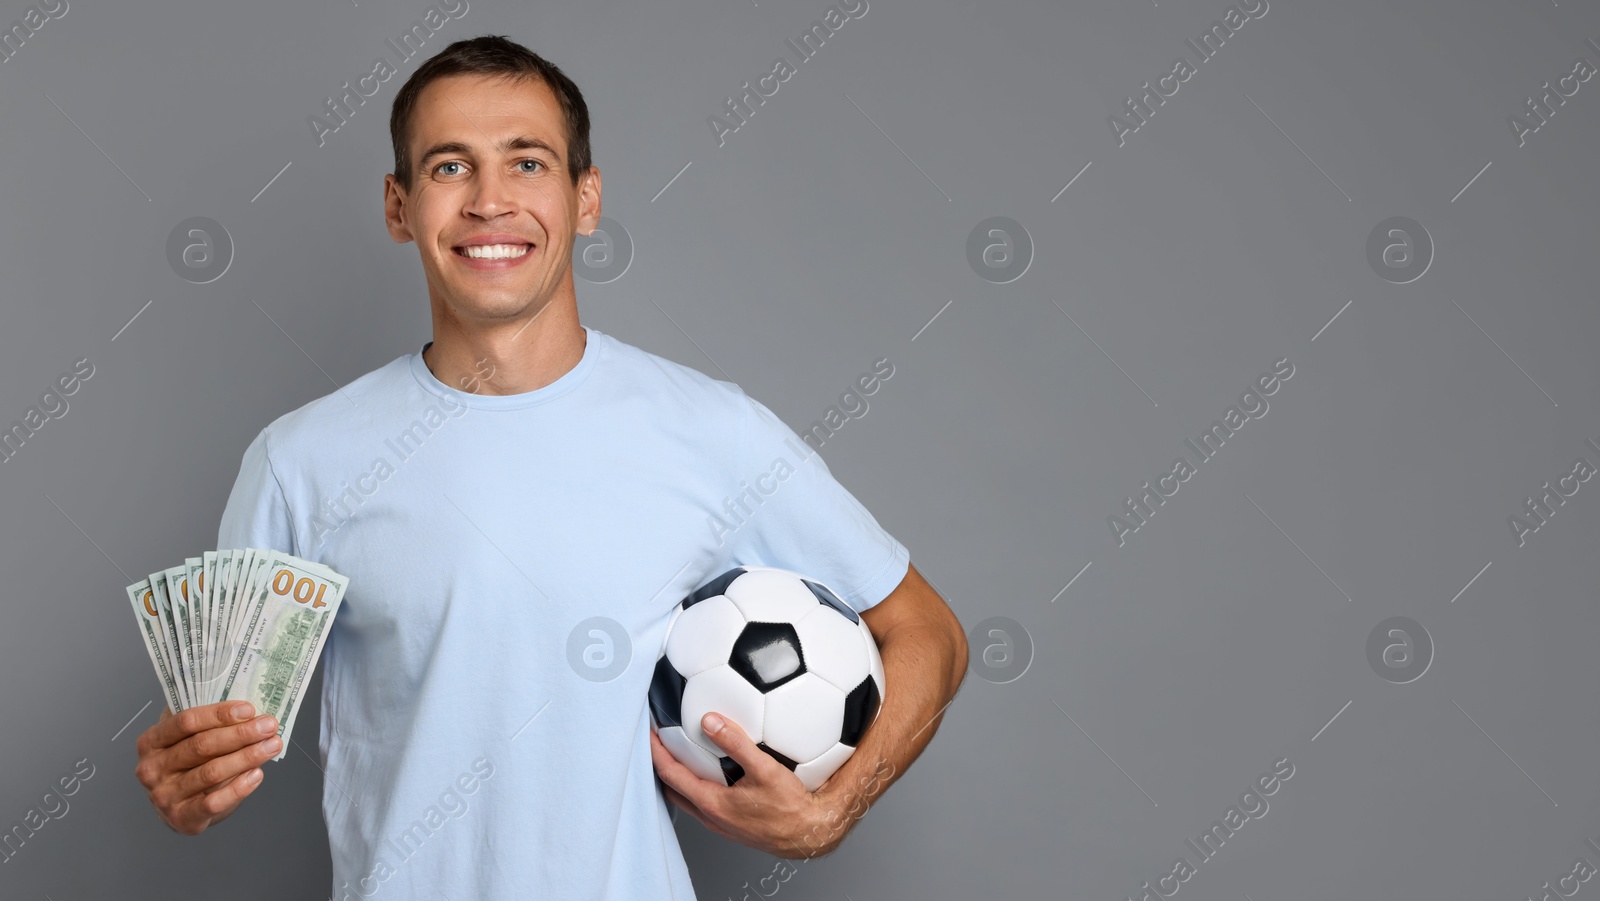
(257, 514)
(792, 513)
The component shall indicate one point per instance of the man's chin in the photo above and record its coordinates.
(491, 310)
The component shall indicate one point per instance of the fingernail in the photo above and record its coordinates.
(266, 725)
(272, 745)
(240, 711)
(713, 723)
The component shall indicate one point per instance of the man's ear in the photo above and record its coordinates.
(589, 201)
(394, 211)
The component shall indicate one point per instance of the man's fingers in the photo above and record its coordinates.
(677, 798)
(174, 728)
(667, 766)
(225, 798)
(203, 747)
(736, 744)
(672, 772)
(214, 774)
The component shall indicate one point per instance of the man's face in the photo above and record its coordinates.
(489, 164)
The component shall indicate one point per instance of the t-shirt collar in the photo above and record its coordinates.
(592, 351)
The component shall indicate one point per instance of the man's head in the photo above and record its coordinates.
(491, 143)
(498, 56)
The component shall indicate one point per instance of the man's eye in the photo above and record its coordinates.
(535, 162)
(443, 165)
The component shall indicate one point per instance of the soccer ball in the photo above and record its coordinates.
(780, 655)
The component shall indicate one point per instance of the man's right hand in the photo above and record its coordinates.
(200, 764)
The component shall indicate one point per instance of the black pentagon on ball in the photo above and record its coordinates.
(832, 600)
(767, 655)
(666, 694)
(731, 770)
(778, 757)
(713, 588)
(859, 707)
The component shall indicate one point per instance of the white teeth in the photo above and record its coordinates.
(495, 251)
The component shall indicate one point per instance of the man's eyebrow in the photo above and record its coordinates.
(520, 142)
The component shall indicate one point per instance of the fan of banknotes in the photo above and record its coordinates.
(238, 625)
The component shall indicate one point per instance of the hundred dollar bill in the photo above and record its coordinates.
(150, 628)
(285, 622)
(222, 581)
(169, 634)
(148, 599)
(228, 563)
(207, 579)
(191, 591)
(178, 600)
(252, 561)
(294, 711)
(204, 592)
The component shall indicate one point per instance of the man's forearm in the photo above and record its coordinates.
(924, 664)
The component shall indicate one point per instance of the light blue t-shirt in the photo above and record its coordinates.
(480, 734)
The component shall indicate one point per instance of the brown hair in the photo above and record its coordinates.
(491, 55)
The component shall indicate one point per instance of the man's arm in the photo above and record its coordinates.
(924, 653)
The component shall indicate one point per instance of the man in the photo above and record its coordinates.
(518, 476)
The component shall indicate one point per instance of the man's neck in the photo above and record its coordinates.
(507, 358)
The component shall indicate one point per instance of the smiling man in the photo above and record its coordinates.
(563, 506)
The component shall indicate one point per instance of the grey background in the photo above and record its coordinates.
(824, 235)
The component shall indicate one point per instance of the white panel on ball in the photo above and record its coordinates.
(833, 647)
(702, 636)
(803, 717)
(702, 762)
(726, 692)
(813, 774)
(771, 595)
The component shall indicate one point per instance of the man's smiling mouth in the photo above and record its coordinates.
(493, 251)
